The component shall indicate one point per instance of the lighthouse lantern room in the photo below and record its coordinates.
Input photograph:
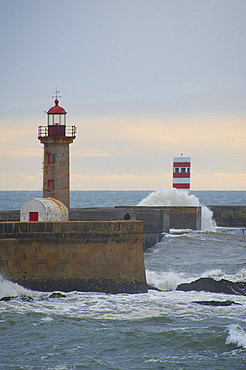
(56, 137)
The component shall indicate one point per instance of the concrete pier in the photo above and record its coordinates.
(229, 216)
(102, 256)
(156, 220)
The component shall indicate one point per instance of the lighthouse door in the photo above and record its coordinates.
(33, 216)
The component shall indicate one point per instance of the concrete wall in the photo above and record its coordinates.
(11, 215)
(223, 215)
(229, 216)
(174, 217)
(104, 256)
(155, 221)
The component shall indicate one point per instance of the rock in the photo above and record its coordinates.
(57, 295)
(21, 298)
(26, 298)
(154, 288)
(7, 299)
(214, 286)
(216, 303)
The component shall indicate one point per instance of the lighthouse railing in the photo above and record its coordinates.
(70, 131)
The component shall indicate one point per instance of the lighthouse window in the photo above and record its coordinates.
(51, 185)
(188, 169)
(51, 158)
(183, 169)
(56, 119)
(50, 118)
(63, 119)
(176, 169)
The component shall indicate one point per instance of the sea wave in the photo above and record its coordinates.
(175, 197)
(169, 280)
(236, 335)
(164, 281)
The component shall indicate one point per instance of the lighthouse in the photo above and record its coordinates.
(56, 137)
(181, 172)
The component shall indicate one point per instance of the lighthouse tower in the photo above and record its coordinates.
(181, 173)
(56, 137)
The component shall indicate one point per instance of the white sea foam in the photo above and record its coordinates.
(169, 280)
(217, 274)
(169, 197)
(164, 281)
(236, 336)
(214, 274)
(9, 289)
(175, 197)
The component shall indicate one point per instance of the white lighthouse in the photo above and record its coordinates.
(181, 172)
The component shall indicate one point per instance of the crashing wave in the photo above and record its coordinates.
(175, 197)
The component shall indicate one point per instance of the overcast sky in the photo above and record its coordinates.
(143, 81)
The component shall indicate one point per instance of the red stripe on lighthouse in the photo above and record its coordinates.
(179, 175)
(181, 164)
(181, 186)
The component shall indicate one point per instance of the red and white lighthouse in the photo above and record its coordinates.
(181, 172)
(56, 137)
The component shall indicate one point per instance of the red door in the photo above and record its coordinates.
(33, 216)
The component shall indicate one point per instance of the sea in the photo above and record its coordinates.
(161, 329)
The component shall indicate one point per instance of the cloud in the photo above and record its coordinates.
(134, 152)
(78, 152)
(124, 181)
(21, 181)
(219, 181)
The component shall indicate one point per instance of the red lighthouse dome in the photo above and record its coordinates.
(56, 115)
(56, 109)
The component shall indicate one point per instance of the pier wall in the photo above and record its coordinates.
(102, 256)
(229, 216)
(155, 221)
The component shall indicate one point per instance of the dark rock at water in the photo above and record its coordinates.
(214, 286)
(7, 299)
(57, 295)
(21, 298)
(154, 288)
(216, 303)
(26, 298)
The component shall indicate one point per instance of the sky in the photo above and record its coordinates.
(142, 80)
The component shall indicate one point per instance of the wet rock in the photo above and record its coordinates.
(26, 298)
(214, 286)
(57, 295)
(216, 303)
(20, 298)
(154, 288)
(7, 299)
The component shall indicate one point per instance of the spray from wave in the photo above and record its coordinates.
(175, 197)
(7, 288)
(236, 336)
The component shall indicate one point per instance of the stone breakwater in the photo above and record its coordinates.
(101, 256)
(227, 216)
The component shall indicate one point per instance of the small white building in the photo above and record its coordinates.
(44, 209)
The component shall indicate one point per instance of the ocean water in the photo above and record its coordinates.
(157, 330)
